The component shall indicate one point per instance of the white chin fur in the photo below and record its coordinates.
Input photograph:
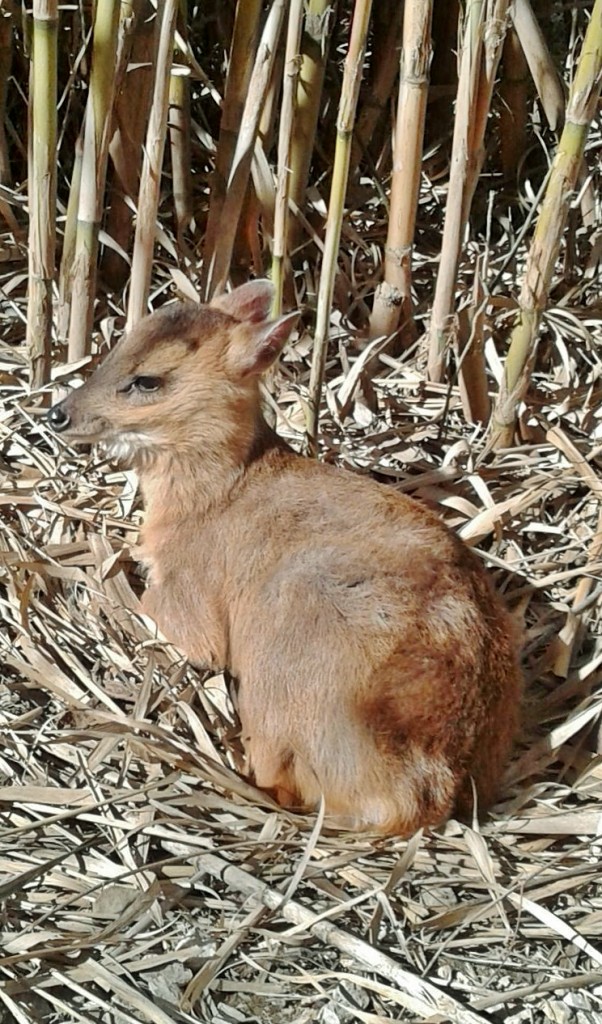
(130, 447)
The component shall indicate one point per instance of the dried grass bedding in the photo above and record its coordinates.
(143, 880)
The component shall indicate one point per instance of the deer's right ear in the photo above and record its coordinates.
(254, 349)
(250, 302)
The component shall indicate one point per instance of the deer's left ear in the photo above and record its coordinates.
(250, 302)
(254, 349)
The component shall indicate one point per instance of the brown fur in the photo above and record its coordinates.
(377, 667)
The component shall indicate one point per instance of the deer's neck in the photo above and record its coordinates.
(191, 483)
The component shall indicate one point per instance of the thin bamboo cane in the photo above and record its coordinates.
(150, 179)
(393, 298)
(238, 178)
(481, 50)
(545, 247)
(6, 49)
(42, 159)
(319, 15)
(97, 135)
(240, 68)
(352, 77)
(287, 119)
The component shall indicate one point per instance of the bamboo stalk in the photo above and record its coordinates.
(287, 119)
(352, 77)
(314, 51)
(540, 61)
(63, 315)
(219, 264)
(393, 298)
(179, 139)
(481, 50)
(42, 160)
(545, 247)
(240, 68)
(97, 134)
(150, 179)
(473, 386)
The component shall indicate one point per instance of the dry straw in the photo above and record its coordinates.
(143, 877)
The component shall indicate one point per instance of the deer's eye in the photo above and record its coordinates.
(145, 385)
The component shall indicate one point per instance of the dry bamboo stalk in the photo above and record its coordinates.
(42, 160)
(314, 51)
(287, 119)
(352, 77)
(179, 139)
(513, 109)
(97, 134)
(63, 314)
(150, 179)
(541, 64)
(219, 263)
(240, 68)
(393, 298)
(179, 147)
(481, 50)
(545, 247)
(6, 50)
(133, 98)
(474, 389)
(384, 65)
(416, 994)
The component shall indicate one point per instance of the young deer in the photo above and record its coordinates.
(376, 665)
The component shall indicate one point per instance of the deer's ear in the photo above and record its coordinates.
(250, 302)
(254, 350)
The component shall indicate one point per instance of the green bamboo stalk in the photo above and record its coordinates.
(486, 24)
(319, 16)
(238, 178)
(42, 158)
(393, 298)
(287, 119)
(150, 180)
(545, 247)
(97, 135)
(240, 68)
(352, 77)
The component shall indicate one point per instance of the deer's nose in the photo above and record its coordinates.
(58, 418)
